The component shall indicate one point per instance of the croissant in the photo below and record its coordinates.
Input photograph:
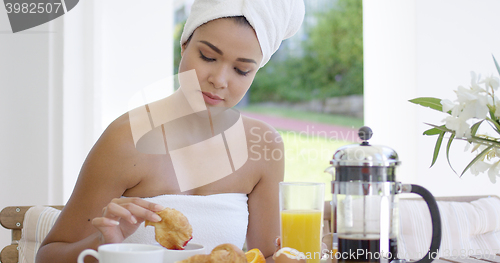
(227, 253)
(224, 253)
(173, 231)
(202, 258)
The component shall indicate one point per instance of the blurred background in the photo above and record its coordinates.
(352, 63)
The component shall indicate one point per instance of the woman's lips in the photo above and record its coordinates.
(211, 99)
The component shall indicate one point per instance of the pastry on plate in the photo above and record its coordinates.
(173, 231)
(224, 253)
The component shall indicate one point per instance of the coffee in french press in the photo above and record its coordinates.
(365, 212)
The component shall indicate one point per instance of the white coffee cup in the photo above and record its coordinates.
(125, 253)
(172, 256)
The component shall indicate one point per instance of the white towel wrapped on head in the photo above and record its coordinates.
(272, 20)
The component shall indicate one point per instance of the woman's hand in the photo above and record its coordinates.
(122, 216)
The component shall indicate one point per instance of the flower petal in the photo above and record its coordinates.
(447, 105)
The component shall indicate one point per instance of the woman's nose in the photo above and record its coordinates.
(219, 77)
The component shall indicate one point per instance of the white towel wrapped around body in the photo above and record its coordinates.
(216, 219)
(272, 20)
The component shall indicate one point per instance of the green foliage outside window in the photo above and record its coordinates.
(177, 45)
(331, 63)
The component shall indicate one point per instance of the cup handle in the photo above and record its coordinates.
(435, 218)
(87, 252)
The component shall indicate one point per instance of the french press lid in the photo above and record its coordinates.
(365, 162)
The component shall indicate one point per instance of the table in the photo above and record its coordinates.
(460, 259)
(470, 259)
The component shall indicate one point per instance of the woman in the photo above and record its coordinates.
(119, 186)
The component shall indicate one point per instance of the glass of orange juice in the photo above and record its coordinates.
(301, 217)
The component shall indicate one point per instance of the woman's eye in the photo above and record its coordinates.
(206, 58)
(243, 73)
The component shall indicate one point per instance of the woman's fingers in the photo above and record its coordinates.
(140, 202)
(142, 213)
(134, 210)
(109, 229)
(104, 222)
(116, 212)
(121, 217)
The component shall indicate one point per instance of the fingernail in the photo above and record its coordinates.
(114, 222)
(156, 218)
(159, 207)
(133, 220)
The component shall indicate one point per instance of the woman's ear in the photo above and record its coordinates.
(183, 48)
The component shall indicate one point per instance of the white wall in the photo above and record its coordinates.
(63, 82)
(30, 122)
(112, 50)
(137, 51)
(425, 48)
(80, 96)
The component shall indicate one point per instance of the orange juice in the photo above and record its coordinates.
(301, 229)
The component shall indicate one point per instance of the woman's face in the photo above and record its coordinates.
(226, 56)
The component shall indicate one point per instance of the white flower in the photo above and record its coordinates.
(474, 103)
(475, 109)
(476, 147)
(479, 167)
(478, 105)
(490, 100)
(497, 151)
(491, 82)
(491, 154)
(467, 146)
(447, 105)
(465, 95)
(474, 80)
(493, 172)
(459, 125)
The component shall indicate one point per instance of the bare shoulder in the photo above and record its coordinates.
(115, 153)
(267, 156)
(118, 133)
(108, 171)
(259, 132)
(113, 156)
(265, 146)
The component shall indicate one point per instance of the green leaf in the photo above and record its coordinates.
(448, 151)
(478, 157)
(437, 147)
(497, 126)
(484, 141)
(433, 131)
(496, 64)
(492, 111)
(475, 127)
(441, 128)
(429, 102)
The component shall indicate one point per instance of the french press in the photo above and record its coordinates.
(365, 212)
